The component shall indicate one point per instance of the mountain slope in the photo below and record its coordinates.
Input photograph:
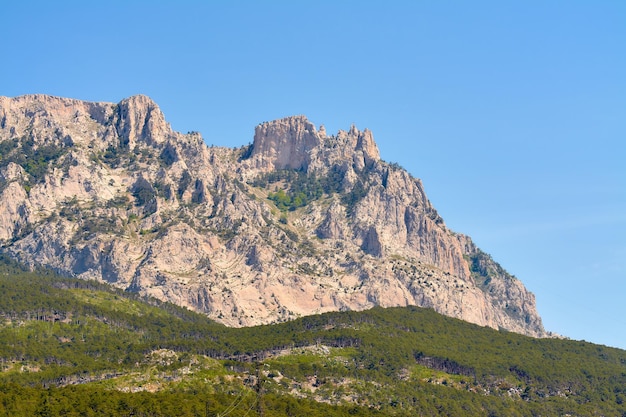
(297, 223)
(70, 347)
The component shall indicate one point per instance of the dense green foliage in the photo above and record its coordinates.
(34, 159)
(300, 188)
(57, 332)
(92, 400)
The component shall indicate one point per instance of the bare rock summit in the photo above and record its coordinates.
(297, 223)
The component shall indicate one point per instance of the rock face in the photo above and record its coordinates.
(297, 223)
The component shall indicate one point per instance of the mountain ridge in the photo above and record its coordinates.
(297, 223)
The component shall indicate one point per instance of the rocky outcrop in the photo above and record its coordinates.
(295, 143)
(297, 223)
(140, 119)
(285, 143)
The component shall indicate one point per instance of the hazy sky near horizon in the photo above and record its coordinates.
(513, 114)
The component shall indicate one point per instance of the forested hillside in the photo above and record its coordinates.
(79, 348)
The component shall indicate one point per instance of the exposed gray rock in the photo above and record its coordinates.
(285, 143)
(118, 196)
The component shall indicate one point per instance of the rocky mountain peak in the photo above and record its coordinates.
(140, 119)
(295, 143)
(299, 223)
(363, 142)
(46, 112)
(285, 143)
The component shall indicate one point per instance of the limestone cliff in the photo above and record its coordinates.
(297, 223)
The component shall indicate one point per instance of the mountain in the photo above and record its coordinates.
(297, 223)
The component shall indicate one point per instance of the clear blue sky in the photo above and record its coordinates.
(513, 113)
